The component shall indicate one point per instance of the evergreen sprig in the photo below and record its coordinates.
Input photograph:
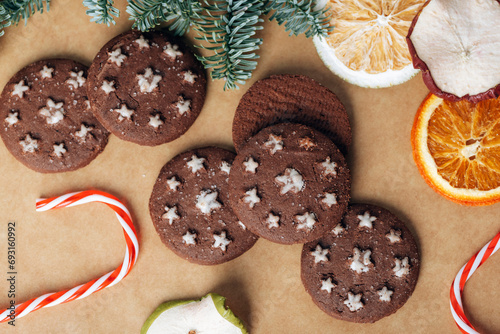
(147, 14)
(300, 16)
(101, 11)
(229, 27)
(12, 11)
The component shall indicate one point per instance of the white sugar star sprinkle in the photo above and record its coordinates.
(251, 197)
(327, 285)
(274, 143)
(142, 43)
(401, 268)
(360, 261)
(366, 220)
(170, 214)
(83, 132)
(12, 118)
(221, 241)
(306, 221)
(272, 221)
(19, 89)
(338, 230)
(189, 77)
(76, 79)
(251, 165)
(173, 184)
(329, 200)
(124, 112)
(385, 294)
(116, 56)
(183, 106)
(206, 201)
(189, 238)
(225, 167)
(291, 180)
(320, 254)
(172, 51)
(29, 144)
(306, 143)
(393, 236)
(195, 164)
(353, 302)
(108, 86)
(148, 81)
(59, 150)
(46, 72)
(53, 112)
(155, 121)
(329, 167)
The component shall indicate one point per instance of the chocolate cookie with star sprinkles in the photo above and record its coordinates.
(287, 98)
(190, 210)
(147, 88)
(365, 268)
(289, 184)
(46, 119)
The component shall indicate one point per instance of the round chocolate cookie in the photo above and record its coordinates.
(146, 88)
(289, 184)
(46, 119)
(190, 210)
(294, 99)
(365, 268)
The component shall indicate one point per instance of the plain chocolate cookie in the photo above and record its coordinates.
(293, 99)
(46, 119)
(190, 210)
(147, 88)
(289, 184)
(365, 268)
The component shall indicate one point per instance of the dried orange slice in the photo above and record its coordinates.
(367, 46)
(456, 146)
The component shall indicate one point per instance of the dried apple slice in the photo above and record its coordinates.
(207, 315)
(456, 44)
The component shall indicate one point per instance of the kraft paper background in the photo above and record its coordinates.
(60, 249)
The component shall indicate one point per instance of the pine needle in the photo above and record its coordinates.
(148, 14)
(300, 17)
(229, 27)
(101, 11)
(12, 11)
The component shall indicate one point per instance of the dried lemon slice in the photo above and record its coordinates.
(368, 45)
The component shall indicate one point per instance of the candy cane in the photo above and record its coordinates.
(109, 279)
(462, 277)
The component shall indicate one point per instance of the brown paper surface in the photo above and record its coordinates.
(60, 249)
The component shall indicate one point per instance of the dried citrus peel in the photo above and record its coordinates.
(367, 46)
(456, 146)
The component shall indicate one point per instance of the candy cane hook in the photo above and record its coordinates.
(107, 280)
(457, 287)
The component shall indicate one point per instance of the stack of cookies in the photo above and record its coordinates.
(289, 183)
(147, 88)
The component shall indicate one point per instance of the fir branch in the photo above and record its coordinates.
(150, 13)
(12, 11)
(300, 16)
(101, 11)
(4, 19)
(229, 27)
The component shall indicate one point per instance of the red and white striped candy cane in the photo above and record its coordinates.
(457, 287)
(109, 279)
